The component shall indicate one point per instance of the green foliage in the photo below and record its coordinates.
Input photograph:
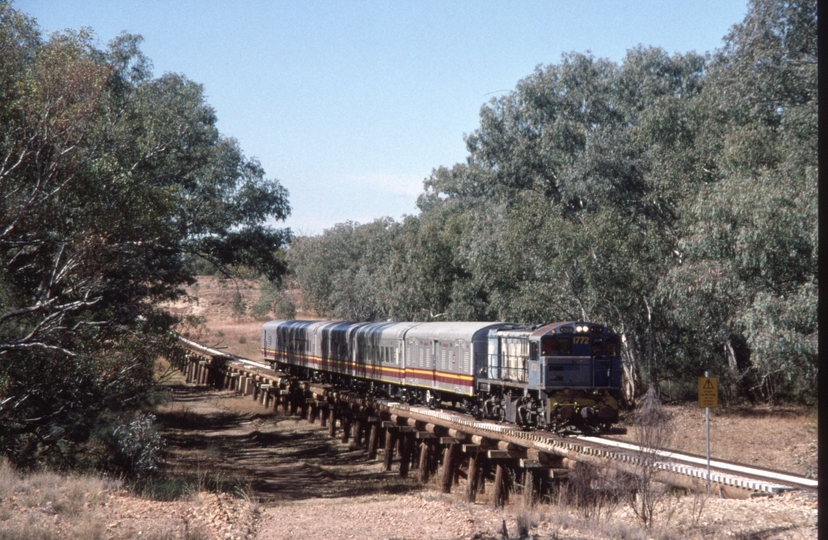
(285, 308)
(746, 289)
(426, 266)
(113, 183)
(238, 305)
(138, 446)
(339, 270)
(273, 300)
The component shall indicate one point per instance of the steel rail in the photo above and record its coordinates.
(215, 352)
(738, 468)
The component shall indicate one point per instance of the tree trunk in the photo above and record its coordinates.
(632, 373)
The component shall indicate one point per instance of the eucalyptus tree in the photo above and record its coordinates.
(672, 197)
(340, 271)
(425, 273)
(574, 209)
(110, 179)
(747, 286)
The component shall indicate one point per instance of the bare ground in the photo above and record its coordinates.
(307, 485)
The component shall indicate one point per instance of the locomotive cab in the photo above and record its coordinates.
(577, 356)
(578, 366)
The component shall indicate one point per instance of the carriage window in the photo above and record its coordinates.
(556, 346)
(533, 351)
(339, 347)
(598, 348)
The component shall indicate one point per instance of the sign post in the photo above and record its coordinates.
(708, 397)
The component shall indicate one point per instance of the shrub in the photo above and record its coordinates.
(138, 446)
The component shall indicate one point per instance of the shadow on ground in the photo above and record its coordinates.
(222, 437)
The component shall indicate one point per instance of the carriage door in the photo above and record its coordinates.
(535, 366)
(432, 347)
(411, 355)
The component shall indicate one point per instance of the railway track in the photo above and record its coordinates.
(785, 479)
(466, 444)
(723, 473)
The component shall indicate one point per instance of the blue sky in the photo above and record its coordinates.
(351, 104)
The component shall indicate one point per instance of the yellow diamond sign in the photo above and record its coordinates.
(708, 392)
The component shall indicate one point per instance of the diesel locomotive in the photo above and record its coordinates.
(561, 376)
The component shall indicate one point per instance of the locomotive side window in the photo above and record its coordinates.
(598, 348)
(613, 346)
(556, 346)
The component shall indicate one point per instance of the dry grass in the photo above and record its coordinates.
(223, 325)
(216, 311)
(567, 520)
(50, 506)
(46, 505)
(241, 338)
(782, 438)
(63, 495)
(586, 506)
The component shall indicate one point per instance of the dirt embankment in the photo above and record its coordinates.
(310, 486)
(307, 485)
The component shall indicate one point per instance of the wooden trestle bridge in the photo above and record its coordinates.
(450, 444)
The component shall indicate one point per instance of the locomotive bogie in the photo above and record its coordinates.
(584, 410)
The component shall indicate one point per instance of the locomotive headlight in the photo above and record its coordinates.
(580, 328)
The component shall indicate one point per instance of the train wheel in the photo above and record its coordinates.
(541, 421)
(431, 400)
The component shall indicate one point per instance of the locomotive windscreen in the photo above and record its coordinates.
(562, 346)
(556, 346)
